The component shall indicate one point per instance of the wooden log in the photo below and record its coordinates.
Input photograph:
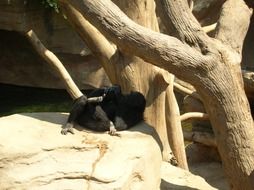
(55, 63)
(194, 115)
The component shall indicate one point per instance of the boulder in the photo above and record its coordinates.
(34, 155)
(179, 179)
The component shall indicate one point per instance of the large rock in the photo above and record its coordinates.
(34, 155)
(178, 179)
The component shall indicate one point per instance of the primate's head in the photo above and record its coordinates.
(112, 92)
(135, 100)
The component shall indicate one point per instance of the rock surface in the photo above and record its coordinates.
(212, 172)
(34, 155)
(19, 62)
(178, 179)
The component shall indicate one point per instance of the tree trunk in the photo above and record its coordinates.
(232, 123)
(212, 66)
(133, 73)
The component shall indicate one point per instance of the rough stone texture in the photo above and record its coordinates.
(212, 172)
(179, 179)
(13, 17)
(21, 65)
(52, 29)
(34, 155)
(197, 153)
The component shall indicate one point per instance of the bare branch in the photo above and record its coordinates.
(209, 28)
(159, 49)
(194, 115)
(186, 91)
(174, 129)
(233, 24)
(54, 62)
(200, 137)
(96, 42)
(191, 4)
(180, 22)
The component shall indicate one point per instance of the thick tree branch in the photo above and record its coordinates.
(180, 22)
(233, 24)
(174, 128)
(161, 50)
(96, 42)
(209, 28)
(55, 63)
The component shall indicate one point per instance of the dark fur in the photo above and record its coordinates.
(117, 111)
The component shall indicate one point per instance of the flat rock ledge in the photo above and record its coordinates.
(34, 155)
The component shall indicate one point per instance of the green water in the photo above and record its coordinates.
(15, 99)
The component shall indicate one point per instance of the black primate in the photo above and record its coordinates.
(106, 109)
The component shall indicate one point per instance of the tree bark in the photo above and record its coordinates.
(131, 72)
(212, 66)
(174, 127)
(55, 63)
(195, 115)
(234, 13)
(229, 113)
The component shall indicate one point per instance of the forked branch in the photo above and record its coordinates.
(161, 50)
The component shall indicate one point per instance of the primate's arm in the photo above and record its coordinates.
(77, 109)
